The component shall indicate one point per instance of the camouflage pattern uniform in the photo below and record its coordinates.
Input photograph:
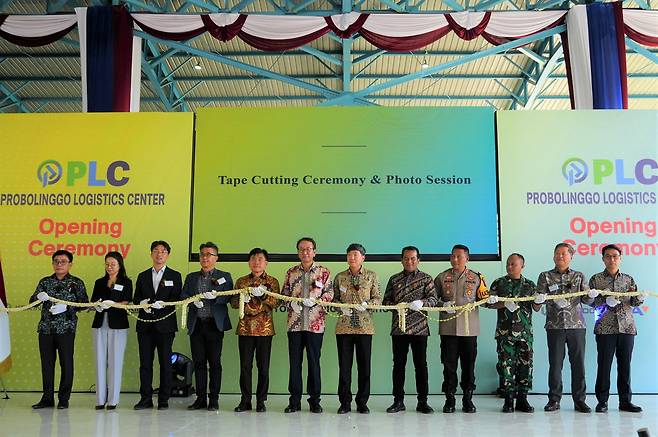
(514, 335)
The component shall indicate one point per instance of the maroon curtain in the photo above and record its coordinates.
(123, 49)
(224, 33)
(32, 41)
(404, 44)
(641, 38)
(174, 36)
(351, 29)
(279, 45)
(469, 34)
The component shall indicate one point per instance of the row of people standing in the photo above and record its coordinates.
(208, 320)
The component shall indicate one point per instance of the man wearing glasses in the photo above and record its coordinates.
(615, 330)
(354, 330)
(57, 328)
(207, 319)
(157, 325)
(311, 282)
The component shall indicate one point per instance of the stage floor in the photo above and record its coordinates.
(18, 419)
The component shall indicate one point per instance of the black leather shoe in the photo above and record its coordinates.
(508, 406)
(242, 407)
(213, 405)
(344, 409)
(260, 407)
(629, 407)
(467, 402)
(62, 405)
(581, 407)
(363, 409)
(199, 404)
(423, 407)
(449, 406)
(292, 409)
(143, 404)
(552, 406)
(163, 405)
(111, 407)
(601, 407)
(100, 407)
(523, 405)
(315, 408)
(43, 404)
(396, 407)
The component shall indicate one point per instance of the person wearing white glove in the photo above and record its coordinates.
(403, 288)
(311, 282)
(614, 330)
(463, 286)
(514, 337)
(206, 325)
(359, 286)
(156, 328)
(449, 304)
(415, 305)
(57, 327)
(565, 327)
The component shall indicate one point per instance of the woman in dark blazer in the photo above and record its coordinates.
(110, 329)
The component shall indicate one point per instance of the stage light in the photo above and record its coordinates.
(182, 369)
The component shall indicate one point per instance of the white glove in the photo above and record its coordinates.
(58, 308)
(449, 304)
(642, 296)
(247, 298)
(415, 305)
(346, 311)
(106, 304)
(158, 304)
(593, 293)
(258, 291)
(98, 308)
(208, 295)
(198, 303)
(309, 302)
(511, 305)
(145, 302)
(561, 303)
(43, 296)
(540, 298)
(296, 307)
(492, 299)
(362, 306)
(612, 301)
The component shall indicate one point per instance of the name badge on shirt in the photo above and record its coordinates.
(554, 287)
(169, 283)
(118, 287)
(221, 281)
(319, 284)
(343, 289)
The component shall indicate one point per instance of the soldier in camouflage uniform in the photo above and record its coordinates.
(514, 334)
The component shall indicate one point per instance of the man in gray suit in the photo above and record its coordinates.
(207, 320)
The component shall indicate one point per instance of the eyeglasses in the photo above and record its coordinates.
(60, 262)
(207, 255)
(305, 249)
(158, 252)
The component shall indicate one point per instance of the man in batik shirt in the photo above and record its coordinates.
(355, 328)
(615, 330)
(312, 283)
(57, 328)
(255, 329)
(416, 290)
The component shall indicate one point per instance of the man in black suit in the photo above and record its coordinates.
(207, 320)
(155, 286)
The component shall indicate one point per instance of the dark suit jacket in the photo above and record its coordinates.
(171, 293)
(218, 306)
(116, 318)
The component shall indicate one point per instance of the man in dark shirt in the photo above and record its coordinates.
(57, 328)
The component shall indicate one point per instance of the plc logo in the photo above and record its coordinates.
(644, 171)
(574, 170)
(50, 172)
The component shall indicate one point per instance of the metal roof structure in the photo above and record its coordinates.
(204, 72)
